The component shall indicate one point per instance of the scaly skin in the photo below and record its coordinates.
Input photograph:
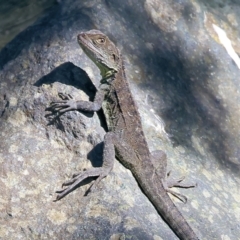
(125, 138)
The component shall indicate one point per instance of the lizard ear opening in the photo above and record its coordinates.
(114, 57)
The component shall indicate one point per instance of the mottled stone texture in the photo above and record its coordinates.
(188, 92)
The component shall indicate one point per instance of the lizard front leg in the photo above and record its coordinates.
(159, 159)
(68, 104)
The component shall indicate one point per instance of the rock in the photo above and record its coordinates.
(184, 77)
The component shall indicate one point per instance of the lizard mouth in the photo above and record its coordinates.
(81, 37)
(83, 40)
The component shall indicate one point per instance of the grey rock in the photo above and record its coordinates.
(186, 86)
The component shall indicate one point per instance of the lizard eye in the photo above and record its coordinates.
(101, 40)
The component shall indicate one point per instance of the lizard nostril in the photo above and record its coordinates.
(81, 35)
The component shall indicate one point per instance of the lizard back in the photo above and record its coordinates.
(122, 115)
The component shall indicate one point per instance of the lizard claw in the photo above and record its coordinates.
(178, 182)
(78, 178)
(64, 96)
(65, 105)
(170, 183)
(180, 196)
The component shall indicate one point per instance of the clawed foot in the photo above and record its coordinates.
(170, 183)
(78, 178)
(67, 104)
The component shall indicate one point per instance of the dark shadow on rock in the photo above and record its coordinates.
(69, 74)
(96, 155)
(21, 41)
(186, 102)
(105, 228)
(38, 34)
(220, 4)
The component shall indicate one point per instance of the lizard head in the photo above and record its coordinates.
(101, 51)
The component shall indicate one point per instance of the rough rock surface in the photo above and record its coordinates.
(15, 16)
(186, 83)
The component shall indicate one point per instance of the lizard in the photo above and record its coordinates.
(125, 138)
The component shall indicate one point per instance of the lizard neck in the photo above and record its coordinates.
(107, 74)
(108, 77)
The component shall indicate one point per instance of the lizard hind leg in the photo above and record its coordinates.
(159, 159)
(100, 172)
